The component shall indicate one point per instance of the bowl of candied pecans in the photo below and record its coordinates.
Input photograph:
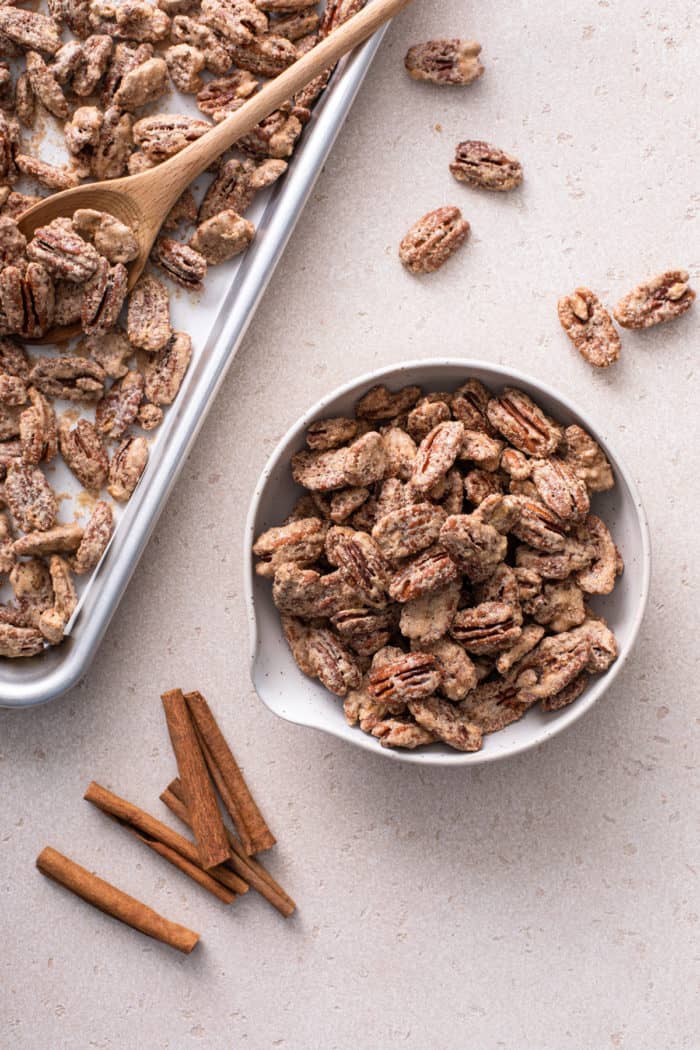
(446, 563)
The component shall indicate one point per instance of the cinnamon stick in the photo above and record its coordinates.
(247, 867)
(229, 803)
(196, 873)
(220, 756)
(207, 825)
(131, 816)
(113, 901)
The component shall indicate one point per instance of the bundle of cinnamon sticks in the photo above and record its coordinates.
(220, 859)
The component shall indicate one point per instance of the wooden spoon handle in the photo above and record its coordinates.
(180, 170)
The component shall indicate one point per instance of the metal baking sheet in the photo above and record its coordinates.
(216, 320)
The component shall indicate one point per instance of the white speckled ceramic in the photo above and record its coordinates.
(291, 695)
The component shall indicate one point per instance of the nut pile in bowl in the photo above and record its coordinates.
(437, 572)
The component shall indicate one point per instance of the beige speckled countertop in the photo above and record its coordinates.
(543, 903)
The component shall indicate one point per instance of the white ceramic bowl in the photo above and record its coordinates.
(291, 695)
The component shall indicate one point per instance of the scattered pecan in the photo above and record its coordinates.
(148, 315)
(83, 452)
(265, 55)
(224, 95)
(661, 299)
(117, 410)
(63, 252)
(165, 134)
(127, 466)
(164, 370)
(111, 351)
(58, 538)
(52, 622)
(28, 299)
(103, 298)
(146, 83)
(433, 239)
(486, 166)
(589, 327)
(30, 498)
(52, 176)
(94, 540)
(445, 61)
(220, 238)
(181, 263)
(72, 378)
(37, 429)
(29, 30)
(44, 85)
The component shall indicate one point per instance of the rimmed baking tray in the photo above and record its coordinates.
(222, 315)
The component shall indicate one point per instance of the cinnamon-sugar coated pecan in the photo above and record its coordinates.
(435, 624)
(589, 327)
(661, 299)
(445, 61)
(486, 167)
(433, 239)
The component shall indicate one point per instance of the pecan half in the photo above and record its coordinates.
(148, 315)
(117, 410)
(29, 30)
(111, 238)
(409, 530)
(549, 668)
(127, 466)
(445, 61)
(236, 184)
(401, 732)
(185, 64)
(606, 565)
(63, 252)
(538, 526)
(426, 415)
(589, 327)
(28, 299)
(224, 235)
(332, 662)
(427, 619)
(326, 434)
(58, 538)
(165, 134)
(45, 86)
(68, 302)
(95, 538)
(164, 371)
(430, 571)
(487, 628)
(494, 705)
(458, 673)
(380, 403)
(436, 454)
(30, 498)
(532, 634)
(587, 460)
(523, 423)
(486, 166)
(181, 263)
(52, 622)
(146, 83)
(236, 20)
(366, 630)
(561, 489)
(103, 298)
(557, 566)
(361, 561)
(661, 299)
(111, 351)
(297, 635)
(83, 452)
(19, 641)
(412, 676)
(433, 239)
(565, 696)
(12, 241)
(301, 541)
(53, 176)
(560, 606)
(266, 55)
(469, 403)
(447, 722)
(601, 641)
(477, 548)
(72, 378)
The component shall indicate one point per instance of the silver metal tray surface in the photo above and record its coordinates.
(221, 315)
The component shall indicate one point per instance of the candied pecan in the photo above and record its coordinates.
(30, 498)
(599, 576)
(402, 732)
(301, 541)
(184, 210)
(479, 484)
(123, 60)
(45, 86)
(84, 454)
(165, 134)
(72, 13)
(425, 416)
(447, 722)
(660, 299)
(111, 154)
(13, 359)
(412, 676)
(221, 237)
(332, 662)
(476, 547)
(320, 471)
(485, 166)
(560, 606)
(297, 635)
(181, 263)
(531, 636)
(538, 526)
(127, 466)
(601, 641)
(567, 695)
(516, 464)
(469, 403)
(13, 390)
(12, 241)
(366, 630)
(28, 299)
(112, 239)
(297, 24)
(427, 618)
(185, 64)
(103, 298)
(445, 61)
(523, 423)
(186, 30)
(304, 592)
(501, 586)
(456, 668)
(589, 327)
(561, 489)
(433, 239)
(587, 460)
(96, 53)
(19, 641)
(82, 134)
(58, 538)
(487, 628)
(436, 454)
(380, 403)
(408, 530)
(326, 434)
(482, 449)
(94, 540)
(68, 302)
(66, 62)
(52, 622)
(365, 460)
(266, 55)
(285, 6)
(8, 556)
(552, 665)
(144, 84)
(111, 351)
(400, 449)
(430, 571)
(52, 176)
(131, 20)
(274, 137)
(237, 20)
(494, 705)
(149, 416)
(164, 370)
(117, 410)
(148, 315)
(361, 561)
(225, 95)
(556, 566)
(9, 146)
(63, 252)
(343, 504)
(529, 582)
(29, 30)
(338, 11)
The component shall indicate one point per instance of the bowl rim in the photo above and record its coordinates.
(511, 376)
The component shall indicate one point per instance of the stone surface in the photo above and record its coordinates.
(550, 901)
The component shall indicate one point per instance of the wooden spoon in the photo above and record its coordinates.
(143, 201)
